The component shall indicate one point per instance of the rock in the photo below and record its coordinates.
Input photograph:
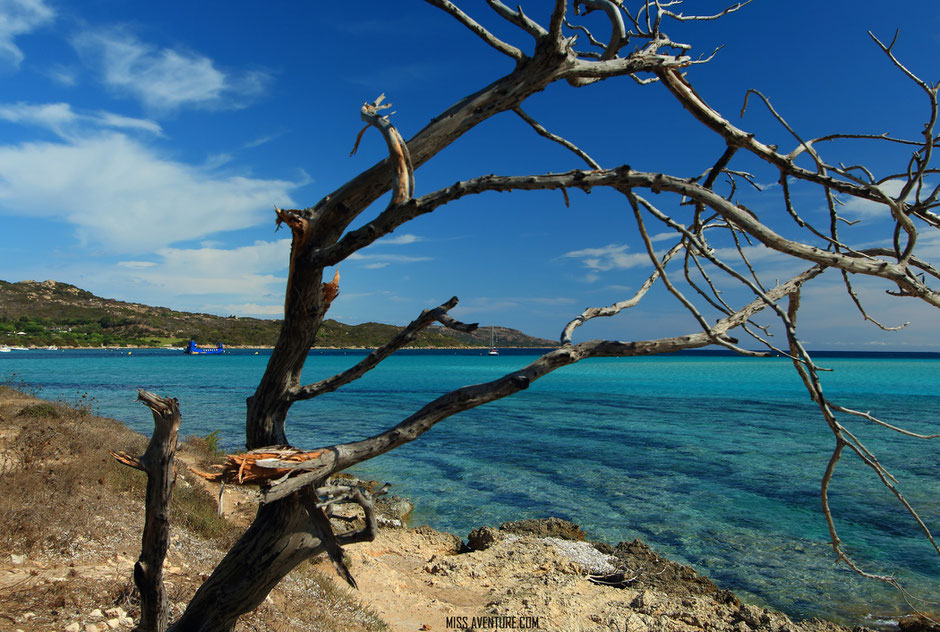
(17, 559)
(446, 543)
(545, 528)
(348, 479)
(483, 538)
(584, 555)
(114, 623)
(347, 511)
(91, 627)
(394, 507)
(73, 627)
(652, 571)
(917, 623)
(96, 614)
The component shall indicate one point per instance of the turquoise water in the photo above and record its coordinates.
(713, 460)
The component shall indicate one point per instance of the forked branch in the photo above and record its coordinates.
(405, 336)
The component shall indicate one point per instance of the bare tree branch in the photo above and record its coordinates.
(616, 308)
(406, 335)
(558, 139)
(339, 457)
(478, 30)
(518, 18)
(618, 32)
(686, 18)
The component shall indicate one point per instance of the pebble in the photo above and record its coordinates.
(91, 627)
(114, 623)
(17, 559)
(96, 614)
(73, 627)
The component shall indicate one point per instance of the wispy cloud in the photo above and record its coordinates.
(375, 261)
(493, 304)
(121, 194)
(399, 240)
(859, 208)
(244, 274)
(18, 17)
(136, 265)
(665, 236)
(62, 74)
(609, 257)
(66, 123)
(165, 79)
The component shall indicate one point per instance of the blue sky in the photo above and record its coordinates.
(143, 147)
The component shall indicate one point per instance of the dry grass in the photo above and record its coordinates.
(75, 516)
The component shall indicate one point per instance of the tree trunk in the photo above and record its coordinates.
(282, 536)
(157, 463)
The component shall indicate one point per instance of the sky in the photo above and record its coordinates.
(143, 147)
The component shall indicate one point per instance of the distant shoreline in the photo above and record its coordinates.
(827, 353)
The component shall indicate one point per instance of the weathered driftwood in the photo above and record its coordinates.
(157, 463)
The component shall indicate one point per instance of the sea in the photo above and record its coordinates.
(713, 460)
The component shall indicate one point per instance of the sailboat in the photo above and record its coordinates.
(493, 350)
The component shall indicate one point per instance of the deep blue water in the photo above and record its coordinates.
(714, 460)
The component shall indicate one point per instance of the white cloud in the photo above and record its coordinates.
(164, 79)
(18, 17)
(262, 256)
(242, 274)
(66, 123)
(378, 260)
(610, 257)
(665, 236)
(399, 240)
(859, 208)
(136, 265)
(121, 194)
(62, 74)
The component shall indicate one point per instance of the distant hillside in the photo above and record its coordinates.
(52, 313)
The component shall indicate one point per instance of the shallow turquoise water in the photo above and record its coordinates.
(713, 460)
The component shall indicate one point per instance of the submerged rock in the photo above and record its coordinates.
(917, 623)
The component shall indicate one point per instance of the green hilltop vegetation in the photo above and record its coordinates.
(34, 314)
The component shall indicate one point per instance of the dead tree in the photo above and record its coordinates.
(713, 235)
(157, 463)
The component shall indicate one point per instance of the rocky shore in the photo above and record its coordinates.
(72, 521)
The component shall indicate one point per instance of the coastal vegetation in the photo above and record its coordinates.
(42, 314)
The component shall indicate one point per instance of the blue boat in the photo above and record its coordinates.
(192, 349)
